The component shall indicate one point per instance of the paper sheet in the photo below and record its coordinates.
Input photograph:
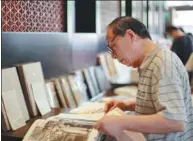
(87, 117)
(127, 91)
(13, 109)
(11, 81)
(89, 107)
(52, 96)
(40, 96)
(117, 97)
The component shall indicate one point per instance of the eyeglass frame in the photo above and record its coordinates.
(110, 50)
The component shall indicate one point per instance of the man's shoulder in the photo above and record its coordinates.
(184, 39)
(179, 42)
(163, 56)
(167, 56)
(165, 61)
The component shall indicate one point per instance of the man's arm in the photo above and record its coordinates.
(127, 105)
(130, 105)
(154, 124)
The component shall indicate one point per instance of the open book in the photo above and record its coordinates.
(75, 127)
(68, 127)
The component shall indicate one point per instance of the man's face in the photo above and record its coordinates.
(124, 48)
(172, 34)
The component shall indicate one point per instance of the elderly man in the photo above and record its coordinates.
(163, 104)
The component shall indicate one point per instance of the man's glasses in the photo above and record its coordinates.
(110, 50)
(110, 44)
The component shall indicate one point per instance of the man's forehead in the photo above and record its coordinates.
(110, 34)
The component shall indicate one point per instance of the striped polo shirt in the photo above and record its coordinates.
(164, 89)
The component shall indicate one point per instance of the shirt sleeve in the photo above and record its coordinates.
(169, 97)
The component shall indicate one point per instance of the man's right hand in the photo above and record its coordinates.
(122, 105)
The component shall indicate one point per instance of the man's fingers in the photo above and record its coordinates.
(108, 106)
(113, 107)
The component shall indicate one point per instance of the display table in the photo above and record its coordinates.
(19, 134)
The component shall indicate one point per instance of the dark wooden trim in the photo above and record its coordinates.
(85, 16)
(120, 7)
(128, 4)
(65, 16)
(147, 11)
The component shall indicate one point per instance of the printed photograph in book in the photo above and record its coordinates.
(62, 130)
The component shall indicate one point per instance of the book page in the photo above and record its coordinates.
(90, 83)
(75, 90)
(130, 91)
(87, 117)
(35, 130)
(67, 93)
(11, 81)
(117, 97)
(89, 107)
(68, 127)
(40, 96)
(52, 96)
(94, 79)
(4, 119)
(13, 109)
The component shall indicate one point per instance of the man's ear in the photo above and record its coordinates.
(131, 34)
